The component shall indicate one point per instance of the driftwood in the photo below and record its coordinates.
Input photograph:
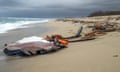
(81, 39)
(105, 27)
(76, 35)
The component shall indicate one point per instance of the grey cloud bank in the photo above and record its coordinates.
(54, 8)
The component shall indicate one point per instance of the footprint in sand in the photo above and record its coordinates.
(115, 55)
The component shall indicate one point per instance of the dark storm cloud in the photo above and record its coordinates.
(107, 5)
(4, 3)
(55, 8)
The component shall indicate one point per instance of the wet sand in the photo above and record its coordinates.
(99, 55)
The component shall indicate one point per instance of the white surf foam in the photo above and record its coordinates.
(2, 58)
(4, 28)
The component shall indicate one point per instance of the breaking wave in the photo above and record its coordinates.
(7, 24)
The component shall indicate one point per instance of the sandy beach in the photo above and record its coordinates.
(99, 55)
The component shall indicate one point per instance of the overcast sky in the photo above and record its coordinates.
(54, 8)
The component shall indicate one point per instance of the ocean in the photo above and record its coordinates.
(12, 23)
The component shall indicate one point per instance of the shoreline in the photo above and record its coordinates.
(16, 34)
